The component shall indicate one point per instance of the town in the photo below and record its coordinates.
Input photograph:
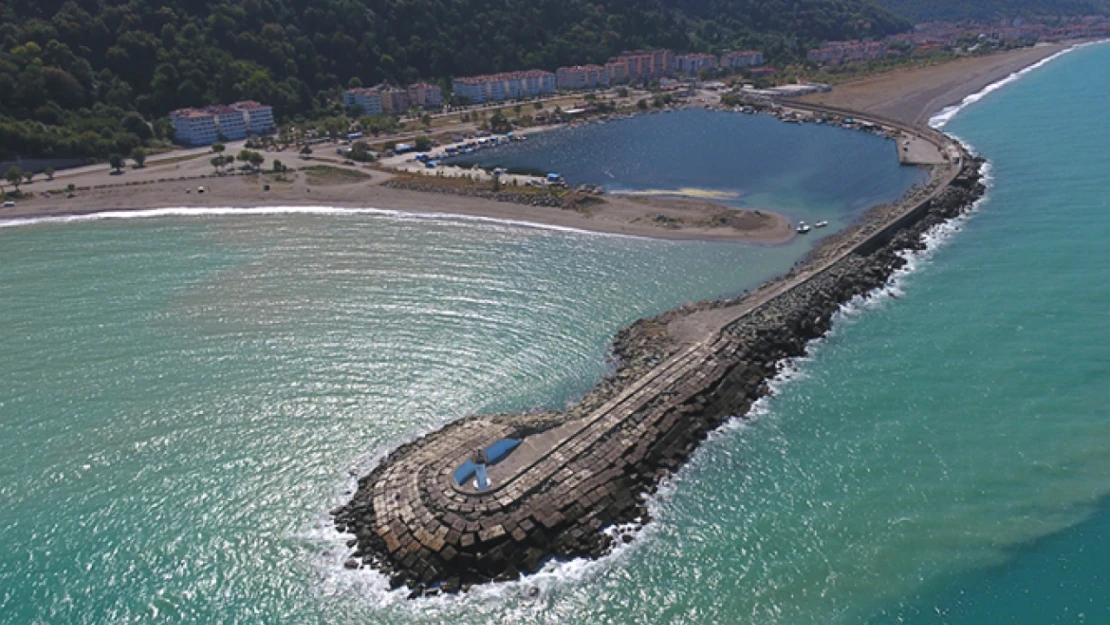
(208, 125)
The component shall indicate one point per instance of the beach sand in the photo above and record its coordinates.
(911, 95)
(660, 218)
(915, 95)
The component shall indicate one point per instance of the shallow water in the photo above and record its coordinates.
(182, 399)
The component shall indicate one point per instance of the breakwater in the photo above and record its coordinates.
(574, 474)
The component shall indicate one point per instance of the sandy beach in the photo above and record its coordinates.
(911, 95)
(915, 95)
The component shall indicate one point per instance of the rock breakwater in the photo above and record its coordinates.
(578, 472)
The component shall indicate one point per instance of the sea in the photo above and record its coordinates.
(184, 394)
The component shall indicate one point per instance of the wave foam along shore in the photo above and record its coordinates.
(946, 115)
(582, 470)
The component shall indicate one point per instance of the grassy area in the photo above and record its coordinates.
(326, 174)
(175, 159)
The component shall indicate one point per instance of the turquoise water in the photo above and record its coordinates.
(182, 399)
(808, 172)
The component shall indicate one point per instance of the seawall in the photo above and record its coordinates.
(578, 472)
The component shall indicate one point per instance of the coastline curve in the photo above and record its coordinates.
(682, 374)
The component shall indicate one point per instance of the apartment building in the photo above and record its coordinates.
(742, 59)
(369, 100)
(694, 62)
(425, 95)
(505, 86)
(581, 77)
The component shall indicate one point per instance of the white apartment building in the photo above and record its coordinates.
(194, 127)
(505, 86)
(369, 100)
(259, 117)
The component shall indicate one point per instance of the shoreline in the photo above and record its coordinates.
(581, 472)
(161, 186)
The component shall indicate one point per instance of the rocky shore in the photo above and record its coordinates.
(593, 465)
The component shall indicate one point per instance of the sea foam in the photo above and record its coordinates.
(187, 211)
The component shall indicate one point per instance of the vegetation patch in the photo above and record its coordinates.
(326, 174)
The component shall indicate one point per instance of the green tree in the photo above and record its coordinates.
(116, 162)
(498, 123)
(139, 156)
(14, 176)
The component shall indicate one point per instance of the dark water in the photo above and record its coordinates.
(807, 172)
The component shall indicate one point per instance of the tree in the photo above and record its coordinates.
(14, 176)
(498, 123)
(116, 162)
(49, 172)
(139, 156)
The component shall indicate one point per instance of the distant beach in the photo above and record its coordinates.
(911, 96)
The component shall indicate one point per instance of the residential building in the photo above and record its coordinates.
(695, 62)
(194, 127)
(742, 59)
(369, 100)
(259, 117)
(504, 86)
(394, 99)
(231, 124)
(581, 77)
(617, 72)
(644, 65)
(425, 95)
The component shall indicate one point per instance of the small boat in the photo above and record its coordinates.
(820, 224)
(802, 228)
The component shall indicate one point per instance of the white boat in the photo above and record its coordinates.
(820, 224)
(802, 228)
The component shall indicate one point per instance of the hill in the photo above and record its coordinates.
(81, 77)
(990, 10)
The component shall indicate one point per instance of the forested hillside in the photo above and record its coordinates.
(990, 10)
(77, 78)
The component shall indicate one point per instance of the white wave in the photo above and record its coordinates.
(185, 211)
(946, 115)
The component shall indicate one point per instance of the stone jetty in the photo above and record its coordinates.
(574, 475)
